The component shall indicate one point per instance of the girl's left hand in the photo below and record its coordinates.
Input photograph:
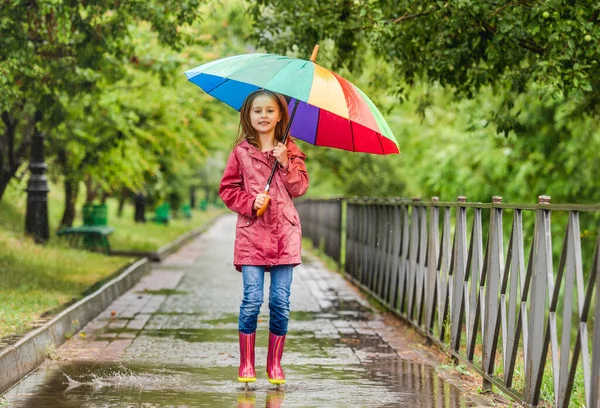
(280, 153)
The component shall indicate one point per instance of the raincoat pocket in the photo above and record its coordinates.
(244, 222)
(291, 215)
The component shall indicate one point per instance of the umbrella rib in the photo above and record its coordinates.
(226, 80)
(278, 71)
(317, 128)
(380, 144)
(352, 133)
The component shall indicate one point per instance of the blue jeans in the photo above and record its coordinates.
(279, 298)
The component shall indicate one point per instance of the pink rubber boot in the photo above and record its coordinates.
(274, 371)
(246, 373)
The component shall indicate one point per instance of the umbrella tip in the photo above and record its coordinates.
(313, 57)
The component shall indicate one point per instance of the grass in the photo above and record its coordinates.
(149, 236)
(330, 263)
(37, 280)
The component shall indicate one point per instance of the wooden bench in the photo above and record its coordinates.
(93, 234)
(94, 238)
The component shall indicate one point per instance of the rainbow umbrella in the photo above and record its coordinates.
(326, 109)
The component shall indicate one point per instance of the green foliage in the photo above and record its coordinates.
(122, 117)
(55, 47)
(465, 44)
(500, 98)
(53, 53)
(453, 147)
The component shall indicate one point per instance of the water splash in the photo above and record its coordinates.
(72, 383)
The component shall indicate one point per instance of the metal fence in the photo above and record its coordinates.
(322, 222)
(506, 289)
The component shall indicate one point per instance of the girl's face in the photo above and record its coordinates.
(264, 114)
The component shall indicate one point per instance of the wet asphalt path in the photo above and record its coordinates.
(172, 342)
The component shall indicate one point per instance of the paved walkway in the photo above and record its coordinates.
(172, 342)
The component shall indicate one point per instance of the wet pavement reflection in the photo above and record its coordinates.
(385, 384)
(172, 342)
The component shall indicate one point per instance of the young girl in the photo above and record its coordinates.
(271, 242)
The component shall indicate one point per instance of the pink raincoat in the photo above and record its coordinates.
(275, 238)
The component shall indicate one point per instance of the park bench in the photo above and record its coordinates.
(93, 234)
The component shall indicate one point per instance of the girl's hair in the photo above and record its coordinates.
(246, 131)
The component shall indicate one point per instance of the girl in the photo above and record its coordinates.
(271, 242)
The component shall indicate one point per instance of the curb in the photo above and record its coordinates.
(19, 359)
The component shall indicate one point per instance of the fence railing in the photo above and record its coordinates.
(506, 289)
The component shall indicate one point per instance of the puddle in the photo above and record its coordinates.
(390, 384)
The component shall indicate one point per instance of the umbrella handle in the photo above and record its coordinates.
(262, 209)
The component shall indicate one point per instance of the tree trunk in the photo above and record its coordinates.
(90, 190)
(122, 200)
(71, 192)
(125, 192)
(140, 208)
(10, 160)
(4, 180)
(193, 196)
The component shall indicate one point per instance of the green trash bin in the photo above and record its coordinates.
(87, 213)
(162, 214)
(186, 210)
(203, 205)
(95, 215)
(100, 215)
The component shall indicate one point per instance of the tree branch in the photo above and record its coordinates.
(15, 158)
(408, 16)
(512, 3)
(522, 43)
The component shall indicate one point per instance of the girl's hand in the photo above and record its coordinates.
(280, 153)
(259, 201)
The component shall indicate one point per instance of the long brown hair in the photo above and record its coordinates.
(245, 129)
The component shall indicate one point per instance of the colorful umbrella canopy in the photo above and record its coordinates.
(331, 112)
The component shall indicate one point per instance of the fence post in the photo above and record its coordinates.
(343, 233)
(542, 268)
(458, 275)
(491, 279)
(413, 254)
(433, 249)
(594, 397)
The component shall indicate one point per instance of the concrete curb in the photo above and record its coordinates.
(19, 359)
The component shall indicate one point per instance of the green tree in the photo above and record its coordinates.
(466, 44)
(148, 132)
(52, 51)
